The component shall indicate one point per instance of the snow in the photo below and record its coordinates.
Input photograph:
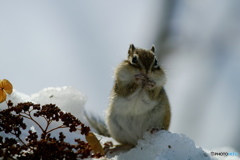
(165, 145)
(67, 98)
(160, 145)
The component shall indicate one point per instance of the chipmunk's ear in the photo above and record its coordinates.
(131, 49)
(153, 49)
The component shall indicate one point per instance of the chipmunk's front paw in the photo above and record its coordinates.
(140, 79)
(150, 84)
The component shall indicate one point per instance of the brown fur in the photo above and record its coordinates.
(138, 99)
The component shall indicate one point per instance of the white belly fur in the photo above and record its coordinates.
(135, 104)
(128, 118)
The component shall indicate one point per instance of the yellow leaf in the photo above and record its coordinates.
(94, 143)
(7, 86)
(3, 96)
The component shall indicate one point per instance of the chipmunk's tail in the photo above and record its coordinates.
(97, 124)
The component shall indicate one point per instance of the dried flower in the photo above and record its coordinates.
(5, 88)
(42, 145)
(94, 143)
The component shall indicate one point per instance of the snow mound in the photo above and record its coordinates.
(164, 145)
(15, 97)
(67, 98)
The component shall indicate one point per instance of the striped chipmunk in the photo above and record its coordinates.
(138, 101)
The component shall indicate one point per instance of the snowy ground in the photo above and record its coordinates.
(156, 146)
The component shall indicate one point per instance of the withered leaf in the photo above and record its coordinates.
(94, 143)
(3, 96)
(6, 86)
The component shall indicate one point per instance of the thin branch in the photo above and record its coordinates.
(30, 111)
(36, 123)
(24, 116)
(7, 104)
(21, 140)
(44, 118)
(48, 124)
(62, 126)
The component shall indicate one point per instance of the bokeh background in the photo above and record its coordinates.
(78, 43)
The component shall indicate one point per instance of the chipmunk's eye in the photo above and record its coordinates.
(134, 60)
(155, 65)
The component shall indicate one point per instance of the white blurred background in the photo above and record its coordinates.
(78, 43)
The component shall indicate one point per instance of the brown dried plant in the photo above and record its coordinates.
(42, 145)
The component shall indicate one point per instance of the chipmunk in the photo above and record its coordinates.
(138, 101)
